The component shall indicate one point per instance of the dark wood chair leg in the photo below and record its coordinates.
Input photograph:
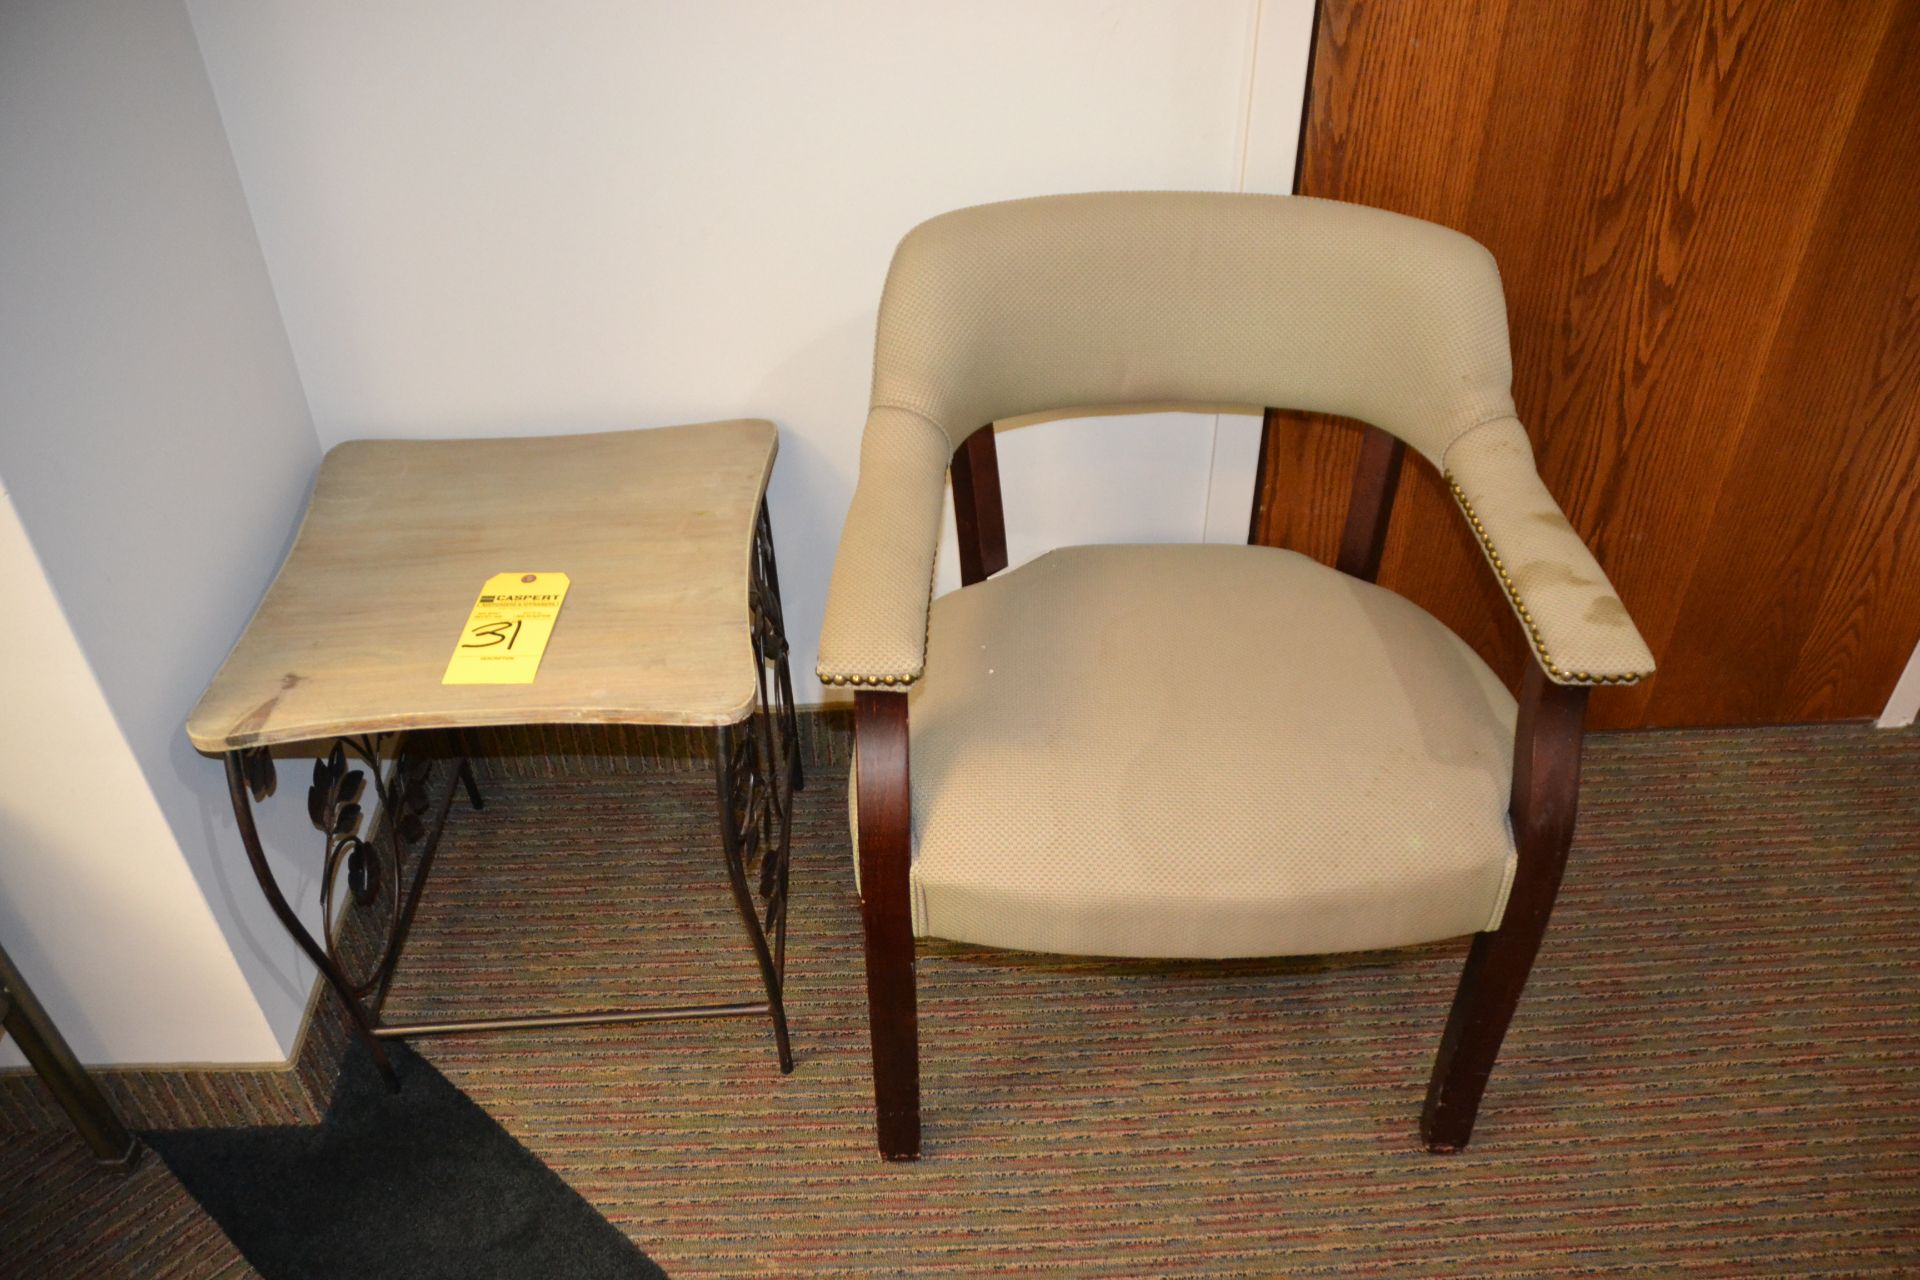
(884, 805)
(1546, 786)
(978, 519)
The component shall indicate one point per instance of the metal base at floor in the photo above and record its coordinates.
(46, 1051)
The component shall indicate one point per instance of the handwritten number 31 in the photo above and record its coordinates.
(495, 633)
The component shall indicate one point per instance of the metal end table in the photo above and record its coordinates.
(673, 618)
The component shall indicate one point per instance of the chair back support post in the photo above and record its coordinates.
(1262, 468)
(1546, 789)
(1376, 478)
(978, 520)
(884, 806)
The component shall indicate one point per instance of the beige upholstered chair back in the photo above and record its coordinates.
(1085, 301)
(1090, 301)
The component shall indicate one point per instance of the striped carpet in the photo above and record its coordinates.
(1715, 1072)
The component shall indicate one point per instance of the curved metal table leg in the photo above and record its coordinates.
(773, 622)
(241, 789)
(745, 806)
(411, 822)
(758, 770)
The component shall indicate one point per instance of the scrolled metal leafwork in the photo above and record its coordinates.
(758, 763)
(372, 873)
(757, 820)
(256, 766)
(333, 805)
(358, 963)
(770, 646)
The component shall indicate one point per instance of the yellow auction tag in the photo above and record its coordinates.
(508, 629)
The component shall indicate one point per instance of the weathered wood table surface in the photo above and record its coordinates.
(672, 617)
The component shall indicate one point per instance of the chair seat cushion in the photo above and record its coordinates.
(1203, 751)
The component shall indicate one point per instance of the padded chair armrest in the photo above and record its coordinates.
(1579, 628)
(876, 625)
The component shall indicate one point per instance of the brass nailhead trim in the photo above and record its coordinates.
(872, 681)
(1493, 558)
(1526, 618)
(902, 681)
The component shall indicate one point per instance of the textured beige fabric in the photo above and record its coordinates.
(1161, 297)
(1203, 751)
(1180, 297)
(1579, 628)
(877, 600)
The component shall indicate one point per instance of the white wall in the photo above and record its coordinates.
(157, 447)
(1903, 707)
(485, 218)
(499, 217)
(96, 906)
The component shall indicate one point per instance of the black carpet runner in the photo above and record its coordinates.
(419, 1183)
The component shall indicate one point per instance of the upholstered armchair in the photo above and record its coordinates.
(1203, 751)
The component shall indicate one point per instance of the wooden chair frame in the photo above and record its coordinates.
(1546, 784)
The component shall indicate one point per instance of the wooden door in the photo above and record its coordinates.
(1707, 216)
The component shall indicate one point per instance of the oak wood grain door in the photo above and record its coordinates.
(1707, 216)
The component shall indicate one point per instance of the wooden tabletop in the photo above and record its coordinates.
(654, 529)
